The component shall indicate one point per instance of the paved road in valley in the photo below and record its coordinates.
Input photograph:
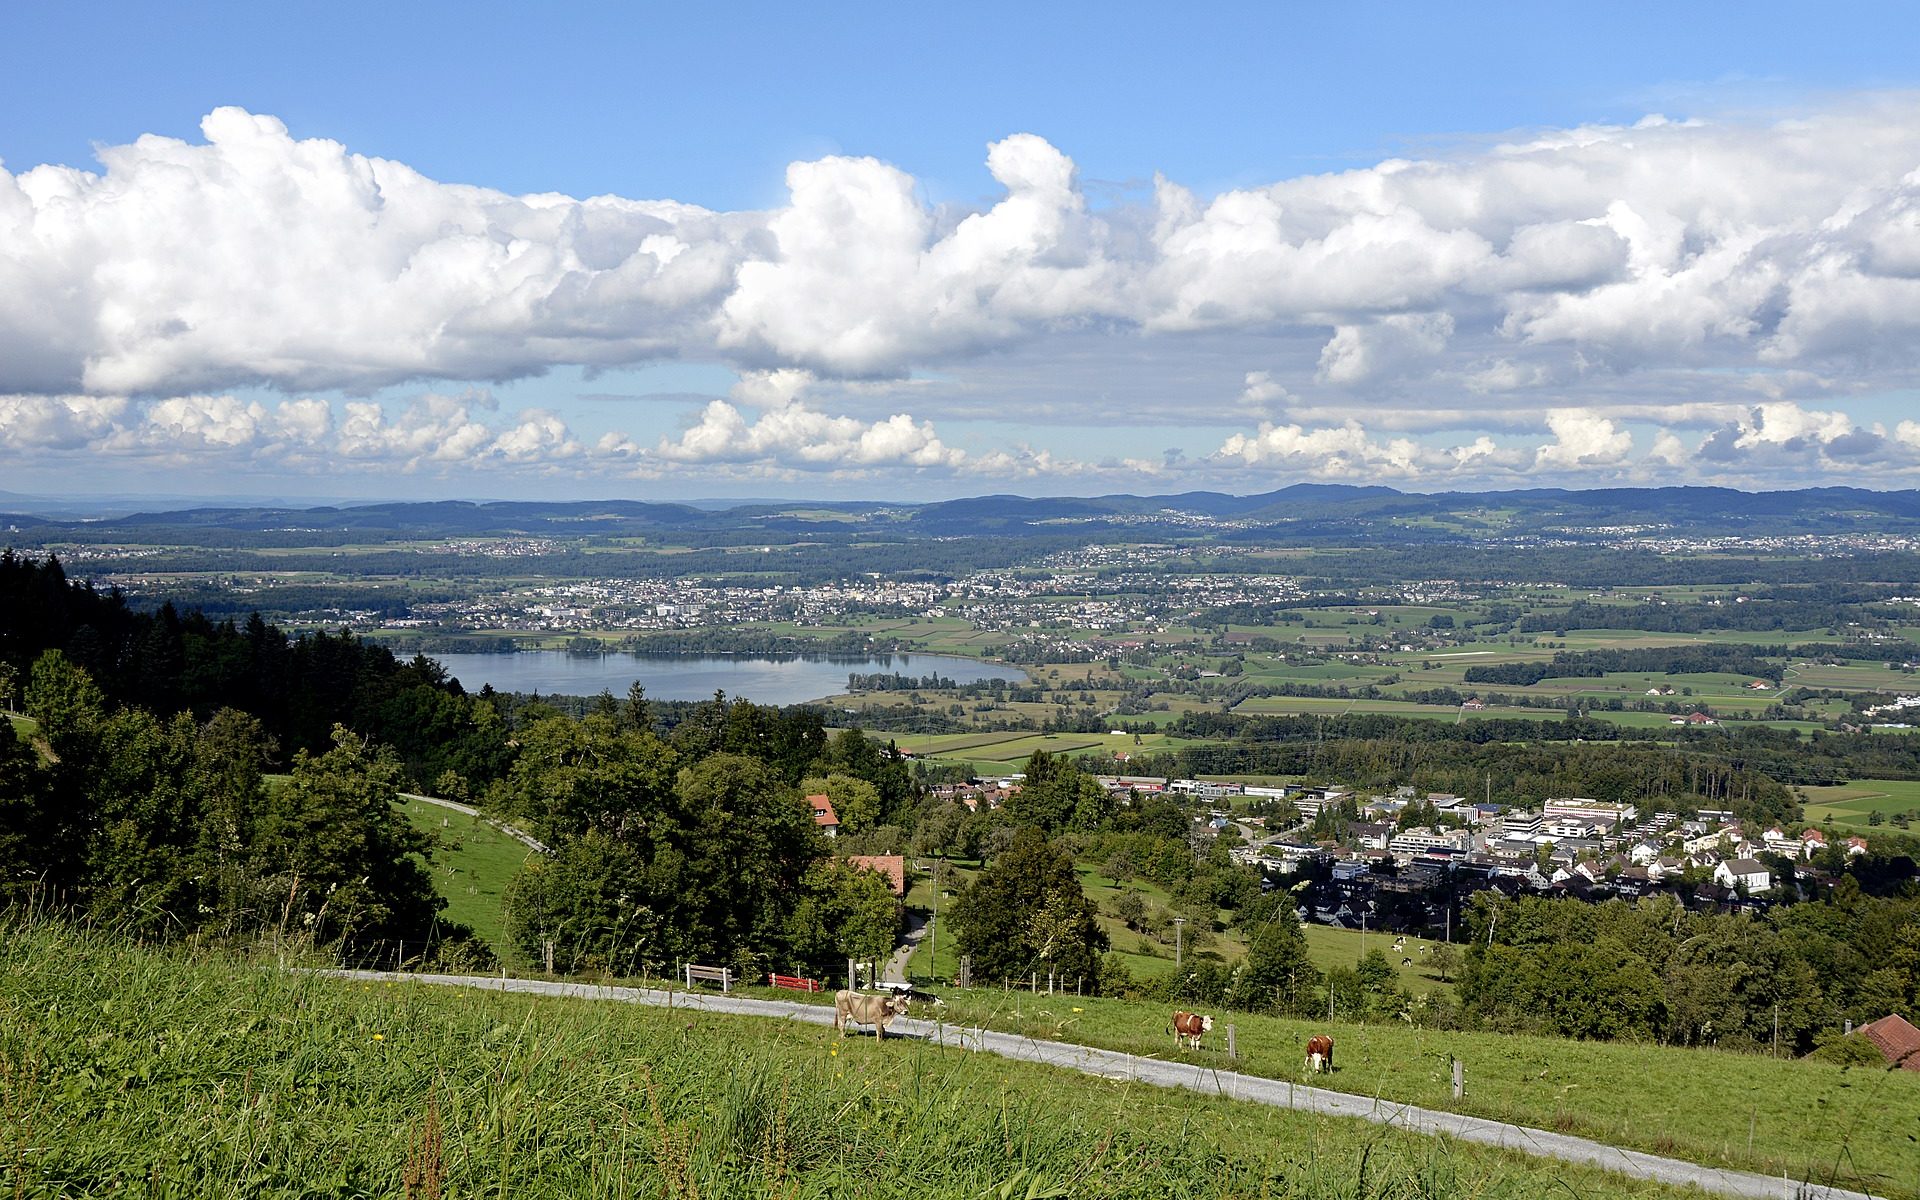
(1280, 1093)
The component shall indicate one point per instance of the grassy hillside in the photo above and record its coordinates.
(1707, 1106)
(471, 868)
(137, 1071)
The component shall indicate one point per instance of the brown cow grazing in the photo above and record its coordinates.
(1190, 1026)
(876, 1011)
(1319, 1054)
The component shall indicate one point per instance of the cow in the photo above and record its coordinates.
(877, 1011)
(1190, 1026)
(1319, 1054)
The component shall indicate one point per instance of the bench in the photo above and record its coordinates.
(796, 983)
(719, 975)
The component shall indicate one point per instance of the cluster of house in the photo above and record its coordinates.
(1570, 845)
(892, 868)
(979, 794)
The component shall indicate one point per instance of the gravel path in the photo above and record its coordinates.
(1279, 1093)
(525, 839)
(896, 968)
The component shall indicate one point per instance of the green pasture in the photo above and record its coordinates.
(168, 1074)
(471, 866)
(1852, 677)
(1851, 804)
(1774, 1116)
(1000, 753)
(1329, 946)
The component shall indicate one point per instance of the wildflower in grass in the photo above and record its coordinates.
(379, 1037)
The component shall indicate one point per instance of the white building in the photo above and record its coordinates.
(1744, 872)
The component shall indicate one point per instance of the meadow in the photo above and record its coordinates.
(1798, 1117)
(176, 1074)
(1853, 804)
(471, 867)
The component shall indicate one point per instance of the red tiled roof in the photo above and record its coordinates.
(892, 867)
(1896, 1039)
(823, 813)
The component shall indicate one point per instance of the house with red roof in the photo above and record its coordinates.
(890, 867)
(1896, 1039)
(823, 814)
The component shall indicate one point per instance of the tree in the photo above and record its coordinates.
(855, 801)
(1276, 973)
(1445, 959)
(1130, 907)
(1056, 795)
(750, 839)
(851, 752)
(344, 857)
(23, 839)
(1028, 900)
(572, 776)
(590, 902)
(64, 700)
(940, 829)
(842, 912)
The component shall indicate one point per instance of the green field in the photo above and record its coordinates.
(1803, 1117)
(1002, 753)
(159, 1074)
(471, 868)
(1851, 804)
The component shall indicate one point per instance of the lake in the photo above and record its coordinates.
(762, 680)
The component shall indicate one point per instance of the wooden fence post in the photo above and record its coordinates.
(1459, 1079)
(1233, 1050)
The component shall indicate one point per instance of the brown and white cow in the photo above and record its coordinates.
(876, 1011)
(1190, 1026)
(1319, 1054)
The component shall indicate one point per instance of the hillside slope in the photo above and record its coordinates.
(207, 1076)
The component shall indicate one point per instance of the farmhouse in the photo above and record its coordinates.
(1897, 1040)
(890, 867)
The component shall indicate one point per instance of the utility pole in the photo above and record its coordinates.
(1177, 923)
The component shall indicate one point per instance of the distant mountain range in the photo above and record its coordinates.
(1305, 512)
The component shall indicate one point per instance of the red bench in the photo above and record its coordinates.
(795, 983)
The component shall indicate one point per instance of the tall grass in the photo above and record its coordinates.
(130, 1071)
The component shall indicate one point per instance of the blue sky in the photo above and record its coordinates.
(1556, 291)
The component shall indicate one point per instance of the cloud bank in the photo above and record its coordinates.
(1731, 287)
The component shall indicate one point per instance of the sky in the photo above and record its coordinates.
(909, 252)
